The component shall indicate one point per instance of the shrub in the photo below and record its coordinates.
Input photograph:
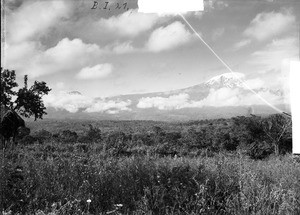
(22, 132)
(116, 143)
(92, 135)
(68, 136)
(27, 140)
(42, 135)
(259, 150)
(229, 143)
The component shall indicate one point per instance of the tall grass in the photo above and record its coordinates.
(59, 179)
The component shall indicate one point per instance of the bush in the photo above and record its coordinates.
(22, 132)
(259, 150)
(27, 140)
(116, 143)
(229, 143)
(92, 135)
(42, 135)
(68, 136)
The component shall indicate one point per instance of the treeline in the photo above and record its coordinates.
(255, 136)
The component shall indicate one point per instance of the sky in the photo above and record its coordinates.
(101, 52)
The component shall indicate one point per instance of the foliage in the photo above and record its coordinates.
(92, 135)
(249, 135)
(28, 100)
(206, 167)
(259, 150)
(276, 127)
(67, 136)
(42, 135)
(262, 136)
(59, 180)
(7, 84)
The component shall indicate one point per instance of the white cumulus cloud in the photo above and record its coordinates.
(34, 18)
(216, 98)
(123, 48)
(66, 101)
(164, 103)
(110, 106)
(267, 25)
(131, 23)
(169, 37)
(67, 56)
(273, 55)
(235, 97)
(73, 102)
(95, 72)
(255, 83)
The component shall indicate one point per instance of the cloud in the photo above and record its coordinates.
(122, 48)
(34, 18)
(267, 25)
(112, 107)
(169, 7)
(67, 56)
(217, 33)
(169, 37)
(161, 39)
(65, 101)
(242, 44)
(255, 83)
(73, 102)
(215, 5)
(75, 51)
(164, 103)
(198, 14)
(95, 72)
(60, 85)
(221, 97)
(235, 97)
(130, 24)
(272, 56)
(18, 56)
(216, 98)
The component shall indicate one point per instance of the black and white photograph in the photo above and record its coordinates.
(149, 107)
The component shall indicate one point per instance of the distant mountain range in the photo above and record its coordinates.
(223, 96)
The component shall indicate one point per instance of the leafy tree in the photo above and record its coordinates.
(28, 100)
(7, 84)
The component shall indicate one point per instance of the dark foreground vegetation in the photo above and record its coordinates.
(241, 165)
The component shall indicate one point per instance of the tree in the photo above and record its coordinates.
(277, 127)
(28, 100)
(263, 134)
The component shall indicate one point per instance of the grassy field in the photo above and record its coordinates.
(125, 173)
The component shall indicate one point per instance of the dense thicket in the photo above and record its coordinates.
(256, 136)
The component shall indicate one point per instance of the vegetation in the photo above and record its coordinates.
(224, 166)
(28, 101)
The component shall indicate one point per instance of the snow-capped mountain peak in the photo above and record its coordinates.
(231, 79)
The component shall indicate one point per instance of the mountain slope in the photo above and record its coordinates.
(221, 96)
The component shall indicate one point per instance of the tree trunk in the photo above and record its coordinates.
(276, 147)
